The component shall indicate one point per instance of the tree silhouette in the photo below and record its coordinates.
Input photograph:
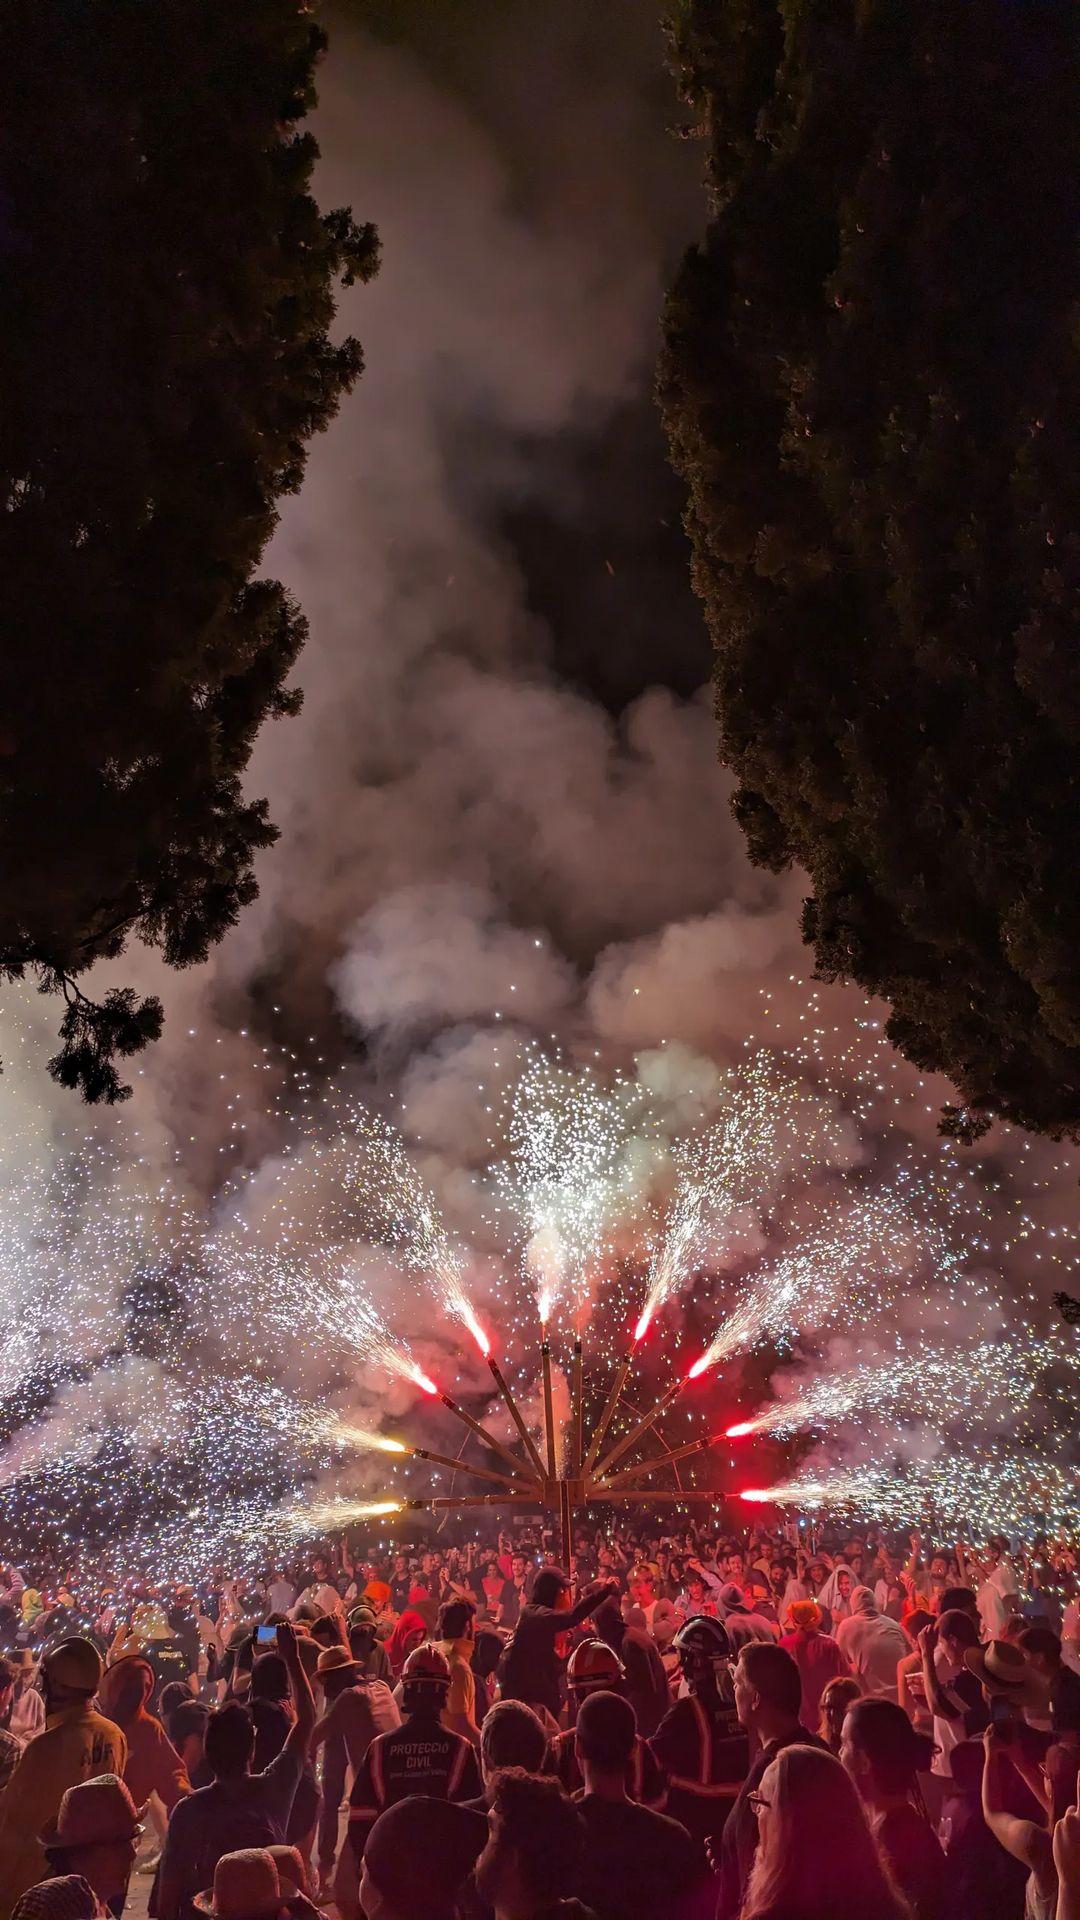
(165, 356)
(869, 382)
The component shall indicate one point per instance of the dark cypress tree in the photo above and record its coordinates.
(165, 355)
(869, 383)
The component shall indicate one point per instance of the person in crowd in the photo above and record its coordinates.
(817, 1858)
(594, 1667)
(768, 1701)
(516, 1592)
(273, 1715)
(320, 1595)
(486, 1655)
(248, 1886)
(358, 1709)
(186, 1725)
(1042, 1650)
(816, 1655)
(883, 1754)
(699, 1743)
(456, 1638)
(1030, 1842)
(636, 1862)
(239, 1805)
(982, 1879)
(531, 1862)
(645, 1677)
(10, 1745)
(95, 1833)
(409, 1632)
(418, 1859)
(27, 1715)
(998, 1597)
(364, 1643)
(153, 1764)
(834, 1597)
(423, 1754)
(872, 1644)
(77, 1743)
(513, 1735)
(1067, 1862)
(910, 1689)
(530, 1667)
(953, 1694)
(741, 1622)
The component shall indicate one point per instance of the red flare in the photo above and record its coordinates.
(475, 1329)
(422, 1380)
(756, 1493)
(739, 1430)
(643, 1325)
(699, 1367)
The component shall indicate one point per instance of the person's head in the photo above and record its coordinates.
(837, 1696)
(270, 1678)
(916, 1622)
(768, 1689)
(230, 1741)
(605, 1733)
(172, 1695)
(967, 1761)
(959, 1600)
(551, 1588)
(70, 1674)
(95, 1832)
(324, 1630)
(319, 1567)
(805, 1616)
(939, 1569)
(844, 1583)
(246, 1887)
(735, 1568)
(642, 1586)
(292, 1873)
(1043, 1649)
(704, 1651)
(457, 1622)
(417, 1857)
(882, 1751)
(425, 1682)
(533, 1853)
(695, 1589)
(487, 1651)
(512, 1736)
(519, 1567)
(816, 1855)
(186, 1727)
(957, 1631)
(996, 1548)
(594, 1667)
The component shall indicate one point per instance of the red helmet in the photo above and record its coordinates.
(593, 1665)
(425, 1675)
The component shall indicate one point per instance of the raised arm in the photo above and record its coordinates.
(1026, 1842)
(300, 1733)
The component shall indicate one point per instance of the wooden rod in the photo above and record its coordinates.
(549, 1415)
(577, 1415)
(612, 1402)
(481, 1433)
(462, 1466)
(525, 1436)
(642, 1426)
(663, 1459)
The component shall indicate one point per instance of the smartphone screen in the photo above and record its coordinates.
(266, 1636)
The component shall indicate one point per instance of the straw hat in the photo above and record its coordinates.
(335, 1660)
(1004, 1670)
(92, 1813)
(246, 1887)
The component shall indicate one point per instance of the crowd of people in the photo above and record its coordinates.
(771, 1726)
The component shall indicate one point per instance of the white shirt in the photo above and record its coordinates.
(280, 1595)
(993, 1597)
(321, 1595)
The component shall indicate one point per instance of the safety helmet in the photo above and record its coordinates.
(702, 1646)
(74, 1664)
(425, 1676)
(593, 1665)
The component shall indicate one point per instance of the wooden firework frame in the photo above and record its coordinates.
(585, 1479)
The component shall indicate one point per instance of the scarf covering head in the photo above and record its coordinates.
(411, 1622)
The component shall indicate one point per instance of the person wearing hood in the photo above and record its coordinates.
(742, 1623)
(872, 1644)
(816, 1655)
(835, 1596)
(153, 1764)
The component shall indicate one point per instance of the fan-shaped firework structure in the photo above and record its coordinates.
(611, 1246)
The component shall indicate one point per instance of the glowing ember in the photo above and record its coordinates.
(739, 1431)
(643, 1324)
(466, 1313)
(702, 1365)
(417, 1373)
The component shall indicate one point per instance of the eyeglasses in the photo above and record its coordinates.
(758, 1801)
